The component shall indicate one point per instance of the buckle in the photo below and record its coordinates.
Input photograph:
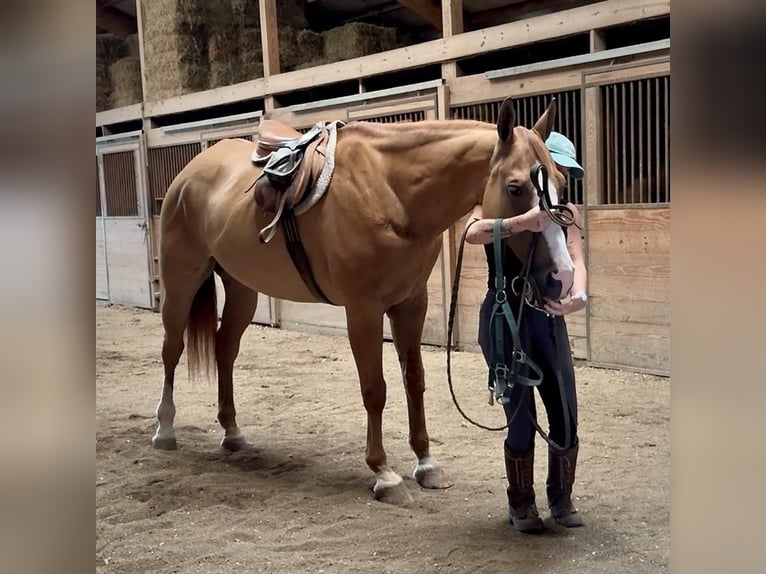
(501, 372)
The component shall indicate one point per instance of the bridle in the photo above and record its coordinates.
(504, 377)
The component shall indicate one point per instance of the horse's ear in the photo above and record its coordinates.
(544, 125)
(506, 121)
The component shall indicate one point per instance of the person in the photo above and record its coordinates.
(545, 340)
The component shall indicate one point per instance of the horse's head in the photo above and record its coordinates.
(510, 191)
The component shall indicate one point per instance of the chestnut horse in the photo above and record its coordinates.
(371, 241)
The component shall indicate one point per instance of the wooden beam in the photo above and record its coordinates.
(428, 10)
(140, 23)
(561, 24)
(269, 37)
(114, 21)
(119, 115)
(518, 10)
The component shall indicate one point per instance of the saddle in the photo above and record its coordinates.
(293, 161)
(294, 164)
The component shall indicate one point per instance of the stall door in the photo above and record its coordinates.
(102, 279)
(125, 226)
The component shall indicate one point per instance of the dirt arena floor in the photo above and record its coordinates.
(299, 499)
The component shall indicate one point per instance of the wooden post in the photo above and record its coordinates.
(449, 237)
(140, 24)
(597, 41)
(452, 25)
(269, 37)
(593, 146)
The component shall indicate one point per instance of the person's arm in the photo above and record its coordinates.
(482, 231)
(577, 297)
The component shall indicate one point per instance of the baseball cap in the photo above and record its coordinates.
(563, 153)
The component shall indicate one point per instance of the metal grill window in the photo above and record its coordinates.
(636, 166)
(568, 122)
(165, 163)
(98, 191)
(418, 116)
(120, 184)
(212, 142)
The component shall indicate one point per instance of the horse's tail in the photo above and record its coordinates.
(201, 329)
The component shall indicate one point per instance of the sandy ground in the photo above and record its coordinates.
(299, 499)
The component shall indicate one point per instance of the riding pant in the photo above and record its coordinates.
(545, 340)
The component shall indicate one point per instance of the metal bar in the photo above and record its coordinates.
(666, 82)
(631, 117)
(623, 151)
(640, 85)
(119, 137)
(657, 136)
(377, 94)
(581, 59)
(212, 122)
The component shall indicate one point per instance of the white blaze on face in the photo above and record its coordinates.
(557, 247)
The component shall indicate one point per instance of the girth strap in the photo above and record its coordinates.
(299, 257)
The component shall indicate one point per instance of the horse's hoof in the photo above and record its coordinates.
(397, 494)
(233, 443)
(164, 443)
(430, 476)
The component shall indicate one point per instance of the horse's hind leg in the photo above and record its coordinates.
(407, 321)
(238, 312)
(180, 285)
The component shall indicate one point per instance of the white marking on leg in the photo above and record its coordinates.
(425, 464)
(166, 412)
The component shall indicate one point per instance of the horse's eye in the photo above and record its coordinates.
(513, 189)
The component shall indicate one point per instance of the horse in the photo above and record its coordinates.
(371, 242)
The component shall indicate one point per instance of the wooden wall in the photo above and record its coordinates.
(629, 271)
(102, 283)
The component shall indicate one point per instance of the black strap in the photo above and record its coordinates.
(299, 257)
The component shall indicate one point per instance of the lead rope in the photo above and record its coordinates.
(564, 217)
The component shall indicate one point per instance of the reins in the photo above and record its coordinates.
(504, 378)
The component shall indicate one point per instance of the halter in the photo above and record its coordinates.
(504, 377)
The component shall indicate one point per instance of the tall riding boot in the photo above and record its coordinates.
(522, 511)
(561, 476)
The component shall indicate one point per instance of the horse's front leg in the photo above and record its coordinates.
(365, 331)
(407, 321)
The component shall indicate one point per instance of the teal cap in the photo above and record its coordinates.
(563, 153)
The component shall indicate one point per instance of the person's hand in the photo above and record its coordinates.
(570, 304)
(534, 220)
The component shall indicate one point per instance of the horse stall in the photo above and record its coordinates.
(297, 497)
(618, 119)
(122, 228)
(170, 148)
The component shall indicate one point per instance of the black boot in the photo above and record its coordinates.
(561, 476)
(522, 511)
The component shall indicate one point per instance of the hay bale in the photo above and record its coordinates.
(250, 54)
(103, 87)
(357, 39)
(125, 81)
(109, 48)
(131, 48)
(246, 13)
(292, 14)
(175, 48)
(296, 47)
(223, 55)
